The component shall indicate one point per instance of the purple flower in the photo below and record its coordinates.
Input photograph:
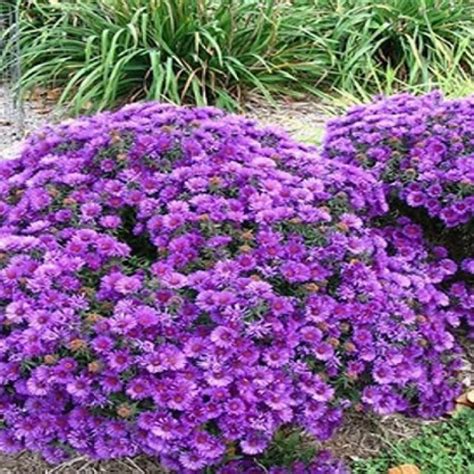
(223, 337)
(323, 351)
(119, 360)
(383, 374)
(254, 443)
(427, 156)
(102, 344)
(415, 199)
(90, 211)
(79, 387)
(127, 285)
(168, 357)
(295, 272)
(138, 389)
(468, 265)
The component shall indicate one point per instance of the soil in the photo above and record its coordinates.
(303, 119)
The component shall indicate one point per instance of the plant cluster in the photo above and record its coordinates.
(421, 148)
(216, 51)
(184, 284)
(184, 51)
(398, 45)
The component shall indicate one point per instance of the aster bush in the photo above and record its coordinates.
(422, 148)
(183, 284)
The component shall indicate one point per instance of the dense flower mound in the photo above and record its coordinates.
(181, 283)
(422, 148)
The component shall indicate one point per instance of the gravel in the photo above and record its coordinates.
(304, 120)
(37, 113)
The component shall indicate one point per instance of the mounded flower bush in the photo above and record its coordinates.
(180, 283)
(421, 148)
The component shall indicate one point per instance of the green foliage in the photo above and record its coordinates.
(387, 45)
(289, 446)
(105, 52)
(200, 51)
(442, 448)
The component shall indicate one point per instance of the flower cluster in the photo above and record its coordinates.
(461, 293)
(181, 283)
(422, 148)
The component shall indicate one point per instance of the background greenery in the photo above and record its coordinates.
(105, 52)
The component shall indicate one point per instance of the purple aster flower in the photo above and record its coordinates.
(138, 388)
(223, 336)
(90, 210)
(295, 272)
(79, 387)
(383, 374)
(102, 344)
(9, 444)
(416, 199)
(127, 285)
(119, 360)
(192, 461)
(254, 443)
(323, 351)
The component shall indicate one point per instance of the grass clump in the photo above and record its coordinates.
(185, 51)
(441, 448)
(106, 52)
(385, 47)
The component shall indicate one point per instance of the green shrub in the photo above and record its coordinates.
(394, 43)
(200, 51)
(105, 52)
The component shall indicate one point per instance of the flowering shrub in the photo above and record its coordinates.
(422, 148)
(181, 283)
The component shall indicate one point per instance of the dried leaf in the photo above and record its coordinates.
(458, 408)
(404, 469)
(470, 397)
(54, 94)
(36, 94)
(466, 399)
(43, 110)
